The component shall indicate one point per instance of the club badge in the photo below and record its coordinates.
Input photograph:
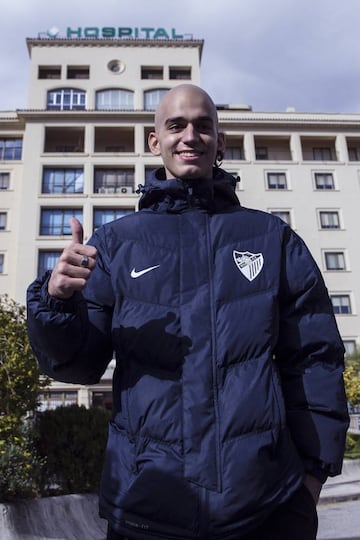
(249, 264)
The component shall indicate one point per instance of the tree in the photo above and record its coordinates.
(352, 378)
(19, 372)
(20, 382)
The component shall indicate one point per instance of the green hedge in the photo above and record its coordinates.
(71, 440)
(352, 449)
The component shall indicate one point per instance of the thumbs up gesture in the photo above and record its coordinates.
(74, 265)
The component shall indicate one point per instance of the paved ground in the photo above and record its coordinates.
(339, 508)
(344, 487)
(72, 517)
(339, 521)
(75, 517)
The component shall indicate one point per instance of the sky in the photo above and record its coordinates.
(269, 54)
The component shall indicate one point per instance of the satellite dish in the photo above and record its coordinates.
(53, 32)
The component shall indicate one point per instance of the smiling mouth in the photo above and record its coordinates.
(189, 154)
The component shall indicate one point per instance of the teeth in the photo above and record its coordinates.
(189, 154)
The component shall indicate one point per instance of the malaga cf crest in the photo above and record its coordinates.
(249, 264)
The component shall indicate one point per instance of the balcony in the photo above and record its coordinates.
(353, 148)
(64, 139)
(318, 149)
(272, 148)
(114, 139)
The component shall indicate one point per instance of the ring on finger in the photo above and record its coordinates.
(84, 261)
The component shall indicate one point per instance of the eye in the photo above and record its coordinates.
(205, 126)
(175, 126)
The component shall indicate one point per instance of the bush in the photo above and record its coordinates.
(72, 440)
(352, 448)
(20, 468)
(20, 383)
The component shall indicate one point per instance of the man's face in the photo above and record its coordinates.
(186, 134)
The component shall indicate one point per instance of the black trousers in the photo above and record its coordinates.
(296, 519)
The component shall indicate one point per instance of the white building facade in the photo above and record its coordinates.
(80, 148)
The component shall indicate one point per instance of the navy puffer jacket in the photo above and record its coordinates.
(228, 385)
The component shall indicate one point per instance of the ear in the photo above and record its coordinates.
(153, 143)
(221, 145)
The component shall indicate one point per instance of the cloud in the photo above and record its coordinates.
(267, 54)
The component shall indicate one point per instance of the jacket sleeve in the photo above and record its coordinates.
(310, 356)
(72, 339)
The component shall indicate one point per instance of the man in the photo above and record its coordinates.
(229, 407)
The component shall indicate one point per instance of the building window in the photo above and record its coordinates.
(4, 180)
(2, 258)
(282, 214)
(66, 99)
(102, 400)
(78, 72)
(114, 181)
(3, 221)
(49, 72)
(329, 220)
(353, 154)
(10, 149)
(335, 260)
(276, 180)
(47, 260)
(59, 180)
(350, 346)
(106, 215)
(55, 221)
(322, 154)
(324, 181)
(261, 152)
(152, 72)
(341, 304)
(233, 153)
(114, 99)
(180, 73)
(152, 98)
(234, 149)
(52, 400)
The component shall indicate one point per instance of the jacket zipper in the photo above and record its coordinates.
(189, 192)
(213, 355)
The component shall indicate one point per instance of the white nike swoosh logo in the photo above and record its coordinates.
(135, 274)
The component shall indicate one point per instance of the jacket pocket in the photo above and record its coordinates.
(119, 465)
(161, 493)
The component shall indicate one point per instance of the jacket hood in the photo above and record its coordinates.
(216, 194)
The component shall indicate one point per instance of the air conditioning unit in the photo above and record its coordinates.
(124, 190)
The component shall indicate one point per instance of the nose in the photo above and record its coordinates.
(190, 133)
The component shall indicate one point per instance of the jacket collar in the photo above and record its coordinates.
(177, 195)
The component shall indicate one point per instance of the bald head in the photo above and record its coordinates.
(184, 93)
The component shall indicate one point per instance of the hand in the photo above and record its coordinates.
(74, 265)
(314, 486)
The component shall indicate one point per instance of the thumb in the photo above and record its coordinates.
(77, 231)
